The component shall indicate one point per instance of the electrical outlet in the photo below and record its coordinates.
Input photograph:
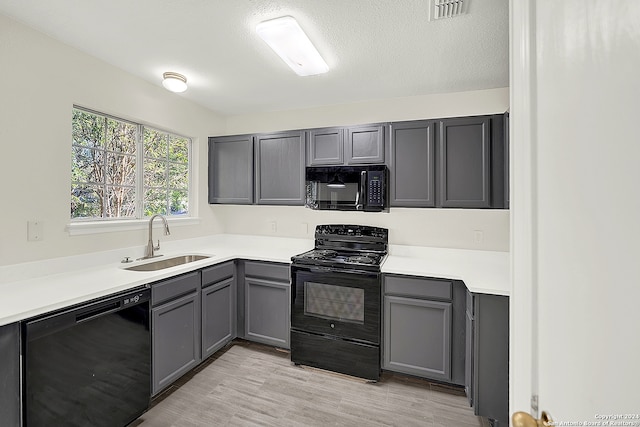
(34, 231)
(273, 226)
(478, 236)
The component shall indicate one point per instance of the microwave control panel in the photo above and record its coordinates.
(375, 196)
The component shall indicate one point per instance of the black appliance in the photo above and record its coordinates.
(89, 365)
(347, 188)
(336, 300)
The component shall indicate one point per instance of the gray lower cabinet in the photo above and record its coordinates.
(280, 162)
(267, 303)
(231, 169)
(469, 342)
(487, 368)
(412, 164)
(218, 298)
(175, 316)
(10, 375)
(417, 321)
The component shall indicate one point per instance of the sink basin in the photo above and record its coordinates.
(167, 262)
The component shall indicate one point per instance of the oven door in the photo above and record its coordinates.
(340, 303)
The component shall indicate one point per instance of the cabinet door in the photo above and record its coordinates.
(468, 365)
(464, 160)
(176, 339)
(506, 161)
(364, 144)
(490, 383)
(417, 337)
(218, 315)
(267, 311)
(325, 147)
(10, 374)
(280, 169)
(412, 164)
(231, 169)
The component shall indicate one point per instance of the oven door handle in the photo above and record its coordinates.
(318, 269)
(321, 269)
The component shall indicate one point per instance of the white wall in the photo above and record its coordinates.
(448, 228)
(576, 208)
(452, 228)
(41, 80)
(455, 104)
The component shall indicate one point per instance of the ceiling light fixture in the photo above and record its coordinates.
(287, 39)
(174, 82)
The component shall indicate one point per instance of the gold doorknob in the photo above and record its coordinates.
(522, 419)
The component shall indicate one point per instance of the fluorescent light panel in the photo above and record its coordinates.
(287, 39)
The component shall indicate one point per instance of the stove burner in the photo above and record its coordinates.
(362, 259)
(321, 254)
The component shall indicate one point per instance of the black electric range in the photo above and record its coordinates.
(336, 300)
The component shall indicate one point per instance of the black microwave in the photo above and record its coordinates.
(347, 188)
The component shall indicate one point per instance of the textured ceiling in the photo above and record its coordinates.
(375, 48)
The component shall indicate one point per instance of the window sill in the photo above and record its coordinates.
(95, 227)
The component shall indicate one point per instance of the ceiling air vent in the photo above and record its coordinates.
(447, 8)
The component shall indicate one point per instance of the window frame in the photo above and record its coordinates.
(89, 225)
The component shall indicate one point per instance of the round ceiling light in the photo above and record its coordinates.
(174, 82)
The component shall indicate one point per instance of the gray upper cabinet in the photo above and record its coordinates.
(506, 161)
(346, 145)
(325, 147)
(412, 164)
(457, 162)
(280, 161)
(465, 162)
(231, 169)
(364, 144)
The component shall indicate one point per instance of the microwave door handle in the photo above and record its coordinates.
(360, 195)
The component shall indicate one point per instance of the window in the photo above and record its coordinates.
(125, 170)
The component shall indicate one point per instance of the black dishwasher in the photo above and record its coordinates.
(88, 365)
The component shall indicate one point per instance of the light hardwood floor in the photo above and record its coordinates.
(253, 385)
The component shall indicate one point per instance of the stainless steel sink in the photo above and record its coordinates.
(167, 262)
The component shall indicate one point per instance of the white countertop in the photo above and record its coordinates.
(485, 272)
(34, 288)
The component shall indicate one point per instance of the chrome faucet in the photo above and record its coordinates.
(150, 248)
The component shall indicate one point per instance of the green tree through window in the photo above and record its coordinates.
(121, 169)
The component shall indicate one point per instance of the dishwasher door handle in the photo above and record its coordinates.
(98, 311)
(59, 320)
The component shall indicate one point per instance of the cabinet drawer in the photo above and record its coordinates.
(175, 287)
(267, 270)
(418, 287)
(216, 273)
